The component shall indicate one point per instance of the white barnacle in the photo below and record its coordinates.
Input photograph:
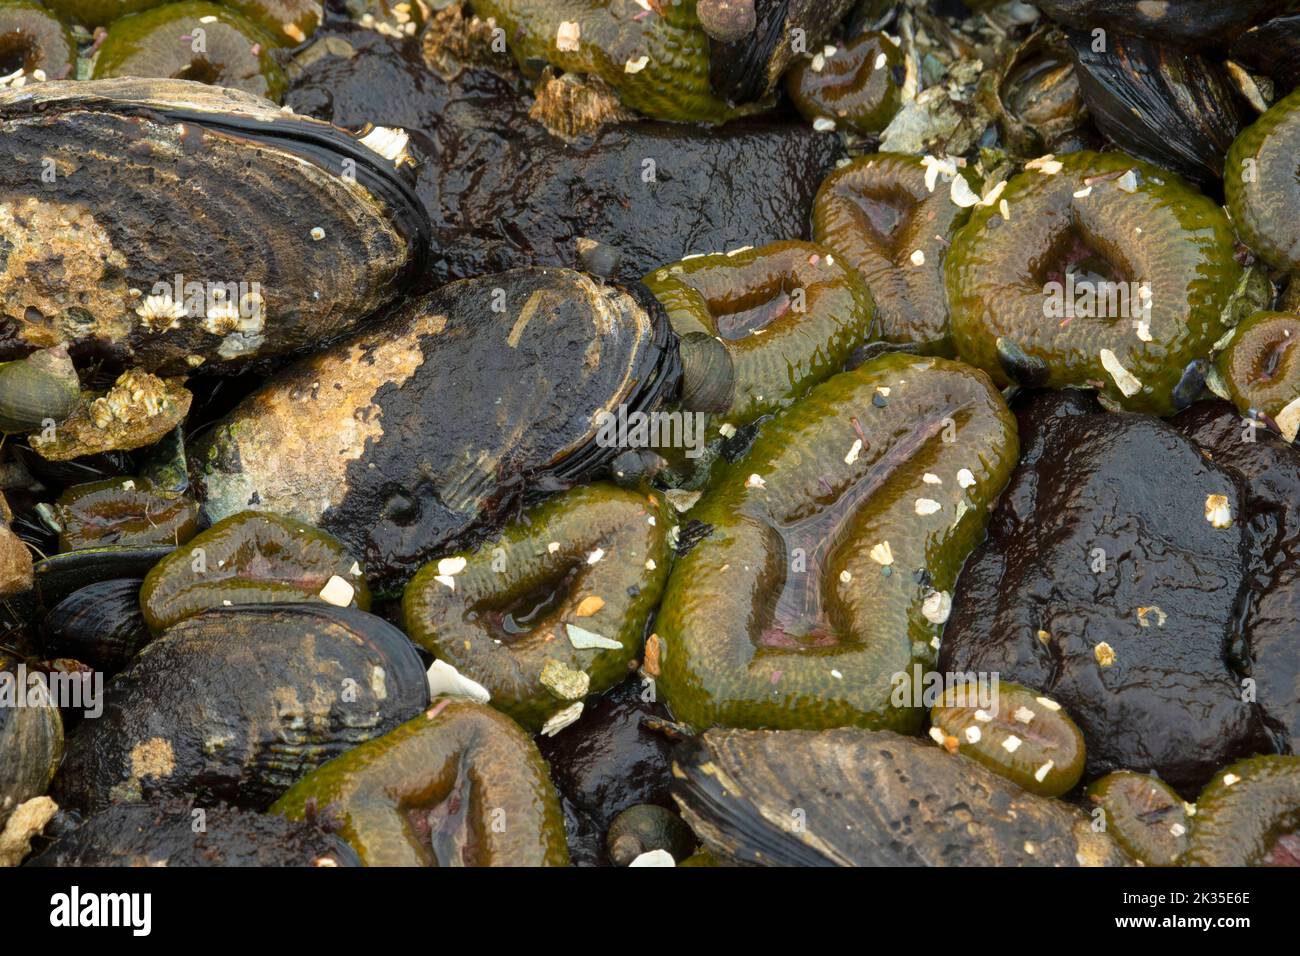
(637, 65)
(317, 233)
(824, 124)
(160, 311)
(917, 258)
(755, 481)
(965, 477)
(1105, 654)
(389, 142)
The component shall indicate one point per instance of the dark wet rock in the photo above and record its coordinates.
(1270, 468)
(607, 762)
(503, 192)
(1104, 584)
(850, 797)
(175, 833)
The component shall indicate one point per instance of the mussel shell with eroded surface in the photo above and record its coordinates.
(869, 798)
(31, 737)
(178, 225)
(237, 703)
(444, 415)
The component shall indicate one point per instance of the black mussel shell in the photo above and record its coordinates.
(748, 68)
(176, 833)
(1021, 367)
(1191, 384)
(1272, 48)
(1177, 109)
(1189, 23)
(100, 625)
(60, 575)
(469, 400)
(153, 178)
(851, 797)
(237, 703)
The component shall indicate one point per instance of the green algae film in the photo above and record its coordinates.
(1025, 736)
(460, 785)
(656, 60)
(553, 609)
(893, 216)
(1144, 814)
(1248, 815)
(831, 551)
(1104, 272)
(855, 85)
(251, 558)
(788, 315)
(1261, 186)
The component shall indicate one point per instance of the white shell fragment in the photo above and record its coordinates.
(1218, 511)
(965, 477)
(654, 858)
(937, 606)
(637, 65)
(927, 506)
(1288, 419)
(1126, 381)
(337, 592)
(882, 554)
(561, 719)
(583, 639)
(446, 681)
(961, 194)
(568, 36)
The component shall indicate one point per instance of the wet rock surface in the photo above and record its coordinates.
(504, 192)
(1270, 470)
(142, 834)
(611, 760)
(1112, 581)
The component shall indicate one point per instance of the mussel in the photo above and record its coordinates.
(31, 735)
(237, 703)
(1178, 109)
(440, 418)
(1192, 23)
(851, 797)
(121, 201)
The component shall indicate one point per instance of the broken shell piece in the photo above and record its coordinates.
(446, 681)
(565, 682)
(562, 719)
(1126, 381)
(582, 639)
(337, 592)
(1218, 511)
(937, 606)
